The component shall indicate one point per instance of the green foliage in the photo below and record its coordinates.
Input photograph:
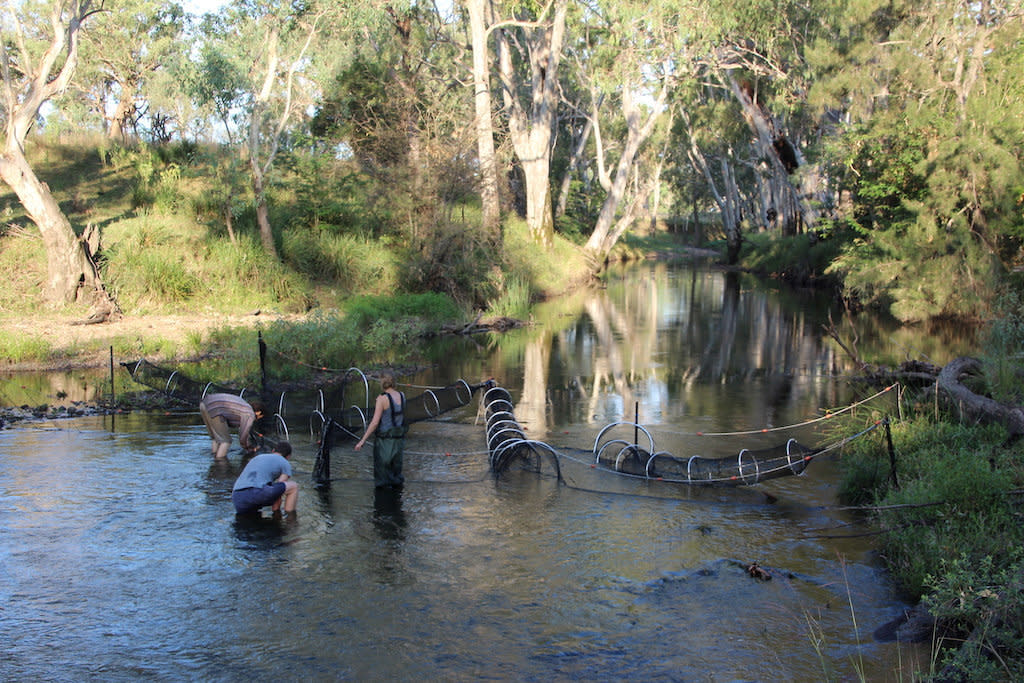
(954, 482)
(932, 168)
(981, 600)
(327, 191)
(19, 348)
(801, 258)
(351, 264)
(150, 265)
(362, 311)
(547, 271)
(151, 347)
(1003, 360)
(370, 329)
(514, 301)
(454, 259)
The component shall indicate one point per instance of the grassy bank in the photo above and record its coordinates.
(189, 282)
(950, 515)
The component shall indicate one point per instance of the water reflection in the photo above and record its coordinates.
(259, 532)
(460, 576)
(388, 515)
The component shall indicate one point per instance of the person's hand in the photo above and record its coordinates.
(359, 445)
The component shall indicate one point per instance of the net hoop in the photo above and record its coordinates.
(739, 466)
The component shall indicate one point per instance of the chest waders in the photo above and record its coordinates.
(387, 447)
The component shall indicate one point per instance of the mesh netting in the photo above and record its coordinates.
(340, 413)
(507, 443)
(747, 467)
(177, 385)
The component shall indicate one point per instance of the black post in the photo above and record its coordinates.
(636, 424)
(113, 398)
(892, 456)
(263, 362)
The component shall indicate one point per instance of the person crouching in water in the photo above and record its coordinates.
(266, 480)
(220, 413)
(390, 437)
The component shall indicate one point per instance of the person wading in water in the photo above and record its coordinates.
(389, 425)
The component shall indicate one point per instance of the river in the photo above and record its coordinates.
(123, 559)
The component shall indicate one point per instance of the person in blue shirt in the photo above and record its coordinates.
(266, 480)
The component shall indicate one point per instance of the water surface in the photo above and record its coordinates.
(123, 559)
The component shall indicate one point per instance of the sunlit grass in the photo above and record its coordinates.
(20, 348)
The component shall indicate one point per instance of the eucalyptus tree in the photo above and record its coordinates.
(931, 151)
(39, 49)
(126, 44)
(480, 16)
(628, 55)
(255, 58)
(399, 107)
(759, 61)
(529, 39)
(713, 140)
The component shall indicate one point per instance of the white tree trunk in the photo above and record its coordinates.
(531, 125)
(484, 124)
(603, 238)
(71, 273)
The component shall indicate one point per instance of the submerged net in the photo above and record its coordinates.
(176, 385)
(747, 467)
(508, 444)
(341, 412)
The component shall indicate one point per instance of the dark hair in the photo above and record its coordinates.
(284, 448)
(258, 407)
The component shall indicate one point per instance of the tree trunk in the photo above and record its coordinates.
(783, 158)
(531, 122)
(539, 216)
(602, 239)
(973, 406)
(484, 124)
(574, 163)
(262, 210)
(71, 274)
(117, 130)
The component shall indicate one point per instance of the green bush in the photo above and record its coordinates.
(981, 603)
(1003, 360)
(953, 495)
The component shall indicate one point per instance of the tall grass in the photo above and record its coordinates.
(350, 264)
(952, 532)
(548, 272)
(19, 348)
(153, 265)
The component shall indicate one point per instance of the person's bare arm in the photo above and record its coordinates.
(378, 412)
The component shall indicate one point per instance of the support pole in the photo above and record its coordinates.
(892, 456)
(113, 398)
(636, 424)
(263, 363)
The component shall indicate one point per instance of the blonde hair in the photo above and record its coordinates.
(387, 381)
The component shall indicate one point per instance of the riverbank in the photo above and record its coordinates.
(73, 345)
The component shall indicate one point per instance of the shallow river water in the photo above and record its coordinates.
(122, 557)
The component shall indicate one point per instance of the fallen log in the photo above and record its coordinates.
(974, 406)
